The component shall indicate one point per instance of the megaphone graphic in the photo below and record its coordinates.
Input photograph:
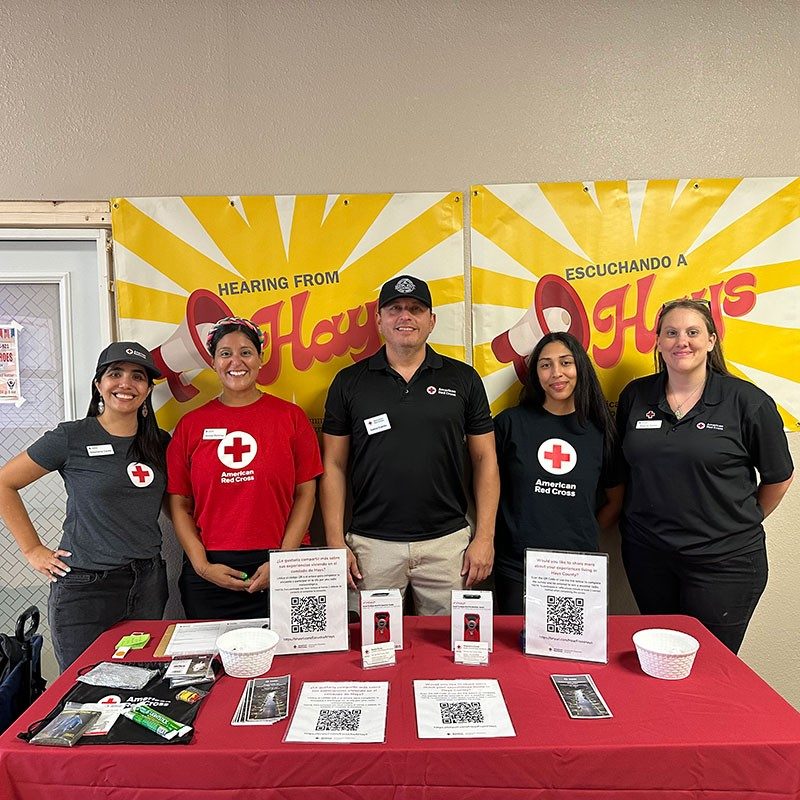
(186, 348)
(556, 307)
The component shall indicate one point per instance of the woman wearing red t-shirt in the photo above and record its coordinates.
(241, 482)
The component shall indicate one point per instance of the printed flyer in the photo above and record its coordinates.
(566, 605)
(308, 599)
(10, 389)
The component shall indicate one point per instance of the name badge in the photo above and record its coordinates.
(215, 433)
(377, 424)
(100, 449)
(648, 423)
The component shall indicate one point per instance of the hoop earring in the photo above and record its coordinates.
(101, 406)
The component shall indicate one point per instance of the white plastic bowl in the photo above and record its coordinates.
(664, 653)
(247, 652)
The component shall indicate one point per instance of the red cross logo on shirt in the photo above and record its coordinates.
(237, 449)
(557, 456)
(140, 474)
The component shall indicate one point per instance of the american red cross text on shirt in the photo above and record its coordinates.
(237, 449)
(556, 457)
(141, 473)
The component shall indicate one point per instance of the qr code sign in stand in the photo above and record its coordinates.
(308, 599)
(566, 605)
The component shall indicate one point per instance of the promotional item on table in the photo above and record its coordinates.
(580, 697)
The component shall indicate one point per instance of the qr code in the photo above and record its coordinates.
(338, 719)
(461, 713)
(565, 615)
(309, 614)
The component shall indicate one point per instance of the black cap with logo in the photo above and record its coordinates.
(128, 351)
(405, 286)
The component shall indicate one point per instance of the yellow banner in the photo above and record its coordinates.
(599, 259)
(306, 268)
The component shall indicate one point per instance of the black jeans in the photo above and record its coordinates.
(85, 602)
(722, 594)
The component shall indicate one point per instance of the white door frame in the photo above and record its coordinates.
(103, 276)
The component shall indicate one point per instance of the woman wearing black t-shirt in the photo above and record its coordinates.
(558, 470)
(693, 436)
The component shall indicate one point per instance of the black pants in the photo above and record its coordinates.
(509, 594)
(205, 600)
(86, 602)
(722, 594)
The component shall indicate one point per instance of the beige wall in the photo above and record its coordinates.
(102, 99)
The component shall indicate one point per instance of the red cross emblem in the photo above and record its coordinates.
(237, 449)
(110, 700)
(140, 474)
(557, 456)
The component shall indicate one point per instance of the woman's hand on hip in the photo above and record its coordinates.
(225, 577)
(48, 562)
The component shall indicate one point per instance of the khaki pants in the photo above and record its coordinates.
(432, 568)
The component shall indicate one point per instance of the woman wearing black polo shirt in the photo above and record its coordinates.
(693, 437)
(556, 453)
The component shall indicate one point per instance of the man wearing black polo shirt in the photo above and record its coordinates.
(405, 420)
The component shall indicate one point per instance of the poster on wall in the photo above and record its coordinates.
(10, 389)
(306, 268)
(599, 259)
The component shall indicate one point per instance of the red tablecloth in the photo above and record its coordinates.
(721, 733)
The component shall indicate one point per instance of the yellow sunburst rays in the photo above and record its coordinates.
(421, 235)
(509, 254)
(171, 246)
(756, 240)
(523, 232)
(627, 222)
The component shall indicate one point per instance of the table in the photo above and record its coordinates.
(721, 733)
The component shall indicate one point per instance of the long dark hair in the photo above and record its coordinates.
(590, 402)
(148, 445)
(715, 360)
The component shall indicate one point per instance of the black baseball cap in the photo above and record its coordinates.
(405, 286)
(128, 351)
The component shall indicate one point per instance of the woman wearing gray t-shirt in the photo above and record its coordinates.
(107, 566)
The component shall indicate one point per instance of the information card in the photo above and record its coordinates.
(308, 599)
(566, 605)
(461, 709)
(346, 711)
